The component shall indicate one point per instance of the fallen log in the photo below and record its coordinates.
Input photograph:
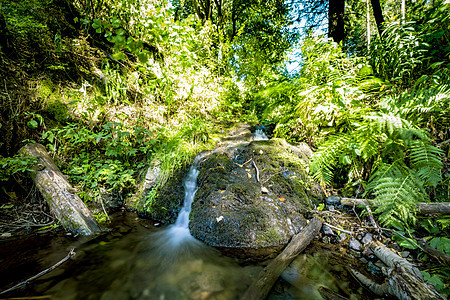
(63, 200)
(437, 208)
(404, 280)
(261, 287)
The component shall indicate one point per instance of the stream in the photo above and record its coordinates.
(138, 260)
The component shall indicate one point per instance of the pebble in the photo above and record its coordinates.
(333, 200)
(355, 245)
(341, 237)
(327, 230)
(367, 238)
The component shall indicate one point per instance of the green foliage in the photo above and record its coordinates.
(58, 110)
(15, 164)
(365, 133)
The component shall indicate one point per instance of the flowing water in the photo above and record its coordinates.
(136, 260)
(260, 135)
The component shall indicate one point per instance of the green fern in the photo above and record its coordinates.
(397, 190)
(425, 158)
(325, 159)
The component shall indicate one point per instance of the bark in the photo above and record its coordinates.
(261, 287)
(404, 280)
(437, 208)
(378, 14)
(63, 200)
(336, 20)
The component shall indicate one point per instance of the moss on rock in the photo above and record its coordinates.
(230, 209)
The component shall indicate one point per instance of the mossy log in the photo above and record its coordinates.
(63, 200)
(261, 287)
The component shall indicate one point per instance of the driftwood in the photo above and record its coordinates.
(439, 208)
(261, 287)
(404, 280)
(46, 271)
(63, 200)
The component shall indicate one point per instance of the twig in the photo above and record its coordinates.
(337, 228)
(257, 171)
(101, 201)
(244, 163)
(70, 255)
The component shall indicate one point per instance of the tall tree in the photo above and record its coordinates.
(336, 25)
(378, 14)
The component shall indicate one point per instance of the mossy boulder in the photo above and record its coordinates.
(252, 197)
(159, 198)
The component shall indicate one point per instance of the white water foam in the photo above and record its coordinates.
(260, 135)
(179, 232)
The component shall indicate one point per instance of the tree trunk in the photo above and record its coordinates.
(336, 29)
(261, 287)
(63, 200)
(437, 208)
(378, 14)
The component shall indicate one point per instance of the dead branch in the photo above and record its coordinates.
(441, 257)
(46, 271)
(257, 171)
(261, 287)
(340, 229)
(404, 280)
(437, 208)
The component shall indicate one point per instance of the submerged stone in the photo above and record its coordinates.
(251, 197)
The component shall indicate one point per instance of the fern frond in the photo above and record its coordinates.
(395, 170)
(388, 123)
(426, 159)
(396, 198)
(325, 159)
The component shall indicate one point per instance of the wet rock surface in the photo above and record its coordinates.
(252, 197)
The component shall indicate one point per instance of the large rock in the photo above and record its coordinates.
(252, 197)
(159, 198)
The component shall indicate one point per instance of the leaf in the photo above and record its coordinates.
(282, 199)
(143, 57)
(345, 160)
(118, 55)
(32, 124)
(249, 176)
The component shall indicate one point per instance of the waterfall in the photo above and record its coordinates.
(260, 135)
(179, 231)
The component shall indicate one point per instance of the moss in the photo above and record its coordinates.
(45, 89)
(57, 110)
(270, 236)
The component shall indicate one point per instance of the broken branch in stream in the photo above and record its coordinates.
(46, 271)
(404, 280)
(262, 285)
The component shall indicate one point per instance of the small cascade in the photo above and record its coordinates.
(179, 231)
(260, 135)
(176, 239)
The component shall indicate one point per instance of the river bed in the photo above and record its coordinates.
(133, 261)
